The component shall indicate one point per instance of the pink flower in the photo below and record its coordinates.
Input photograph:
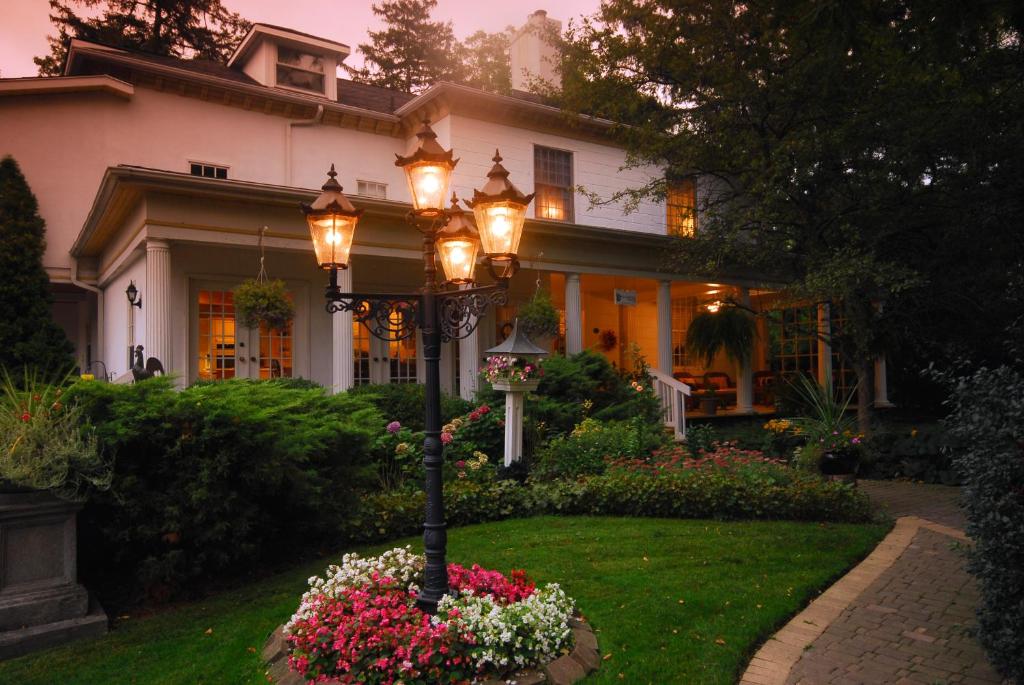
(460, 464)
(446, 438)
(394, 427)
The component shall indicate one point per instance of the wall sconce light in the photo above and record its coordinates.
(134, 299)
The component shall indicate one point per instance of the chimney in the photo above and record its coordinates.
(533, 55)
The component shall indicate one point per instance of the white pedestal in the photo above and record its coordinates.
(515, 394)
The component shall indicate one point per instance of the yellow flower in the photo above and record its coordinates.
(913, 432)
(88, 377)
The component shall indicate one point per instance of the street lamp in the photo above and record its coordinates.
(444, 311)
(500, 211)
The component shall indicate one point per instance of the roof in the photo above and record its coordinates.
(297, 33)
(374, 98)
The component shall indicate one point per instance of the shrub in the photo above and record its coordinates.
(218, 477)
(43, 442)
(701, 437)
(919, 453)
(405, 403)
(587, 450)
(986, 424)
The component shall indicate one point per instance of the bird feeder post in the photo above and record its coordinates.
(517, 346)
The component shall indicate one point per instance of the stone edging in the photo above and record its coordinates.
(564, 670)
(776, 657)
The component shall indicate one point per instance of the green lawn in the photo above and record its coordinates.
(672, 601)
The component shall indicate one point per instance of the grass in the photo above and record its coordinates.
(672, 601)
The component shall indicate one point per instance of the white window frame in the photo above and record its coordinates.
(363, 185)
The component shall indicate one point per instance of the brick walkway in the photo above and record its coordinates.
(903, 617)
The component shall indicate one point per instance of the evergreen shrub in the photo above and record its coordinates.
(986, 424)
(217, 478)
(405, 403)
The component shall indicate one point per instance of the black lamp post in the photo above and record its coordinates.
(443, 311)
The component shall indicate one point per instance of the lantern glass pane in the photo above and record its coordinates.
(458, 258)
(428, 184)
(332, 239)
(500, 225)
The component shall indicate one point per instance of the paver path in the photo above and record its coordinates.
(903, 617)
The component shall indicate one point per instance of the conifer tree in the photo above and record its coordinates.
(412, 52)
(29, 337)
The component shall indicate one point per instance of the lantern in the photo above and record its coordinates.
(428, 169)
(500, 211)
(458, 244)
(332, 224)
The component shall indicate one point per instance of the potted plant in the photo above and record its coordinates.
(828, 428)
(49, 462)
(263, 301)
(538, 318)
(512, 374)
(708, 398)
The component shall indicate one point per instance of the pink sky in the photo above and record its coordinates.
(24, 24)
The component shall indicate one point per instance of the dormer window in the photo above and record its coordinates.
(300, 70)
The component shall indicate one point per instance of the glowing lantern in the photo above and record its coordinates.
(458, 243)
(332, 224)
(500, 211)
(428, 169)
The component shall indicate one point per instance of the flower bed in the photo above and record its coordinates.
(360, 624)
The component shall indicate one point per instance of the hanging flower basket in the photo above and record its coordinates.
(512, 374)
(264, 301)
(516, 386)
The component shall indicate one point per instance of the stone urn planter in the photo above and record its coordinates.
(41, 602)
(840, 466)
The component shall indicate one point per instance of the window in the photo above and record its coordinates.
(552, 180)
(372, 189)
(216, 334)
(683, 311)
(301, 70)
(793, 341)
(208, 170)
(361, 354)
(681, 209)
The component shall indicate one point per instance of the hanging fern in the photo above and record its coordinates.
(538, 318)
(258, 301)
(730, 329)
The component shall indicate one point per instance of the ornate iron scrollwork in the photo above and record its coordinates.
(388, 318)
(460, 311)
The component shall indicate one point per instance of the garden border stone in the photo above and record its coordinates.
(565, 670)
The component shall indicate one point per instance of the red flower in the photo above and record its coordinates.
(26, 417)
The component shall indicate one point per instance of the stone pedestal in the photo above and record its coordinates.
(41, 602)
(515, 393)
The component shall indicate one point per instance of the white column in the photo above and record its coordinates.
(342, 346)
(824, 346)
(665, 326)
(745, 375)
(573, 315)
(157, 301)
(469, 364)
(513, 426)
(881, 384)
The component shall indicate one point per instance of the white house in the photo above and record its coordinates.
(162, 172)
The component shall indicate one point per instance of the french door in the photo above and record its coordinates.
(379, 361)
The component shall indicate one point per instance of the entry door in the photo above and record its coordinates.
(378, 361)
(263, 354)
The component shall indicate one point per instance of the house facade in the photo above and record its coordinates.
(164, 173)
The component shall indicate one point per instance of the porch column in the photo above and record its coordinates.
(824, 345)
(157, 302)
(881, 384)
(665, 327)
(342, 352)
(745, 375)
(469, 363)
(573, 315)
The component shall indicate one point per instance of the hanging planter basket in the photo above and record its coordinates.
(263, 301)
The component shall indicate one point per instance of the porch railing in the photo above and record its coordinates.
(672, 394)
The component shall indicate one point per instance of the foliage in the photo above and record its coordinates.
(44, 442)
(405, 403)
(485, 60)
(267, 302)
(212, 479)
(538, 317)
(29, 337)
(179, 28)
(411, 52)
(397, 456)
(700, 437)
(922, 454)
(730, 329)
(825, 415)
(219, 638)
(986, 425)
(589, 447)
(863, 152)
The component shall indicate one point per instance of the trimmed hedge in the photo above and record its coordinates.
(697, 494)
(217, 478)
(987, 426)
(404, 402)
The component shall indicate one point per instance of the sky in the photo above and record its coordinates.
(24, 24)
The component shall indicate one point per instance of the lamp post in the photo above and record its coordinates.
(443, 311)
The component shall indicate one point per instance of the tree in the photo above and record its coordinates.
(867, 152)
(29, 337)
(486, 62)
(179, 28)
(411, 52)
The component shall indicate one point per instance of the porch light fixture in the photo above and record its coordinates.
(443, 311)
(428, 169)
(500, 211)
(713, 307)
(457, 243)
(134, 300)
(332, 223)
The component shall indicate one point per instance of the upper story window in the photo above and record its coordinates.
(302, 70)
(372, 189)
(552, 180)
(681, 209)
(207, 170)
